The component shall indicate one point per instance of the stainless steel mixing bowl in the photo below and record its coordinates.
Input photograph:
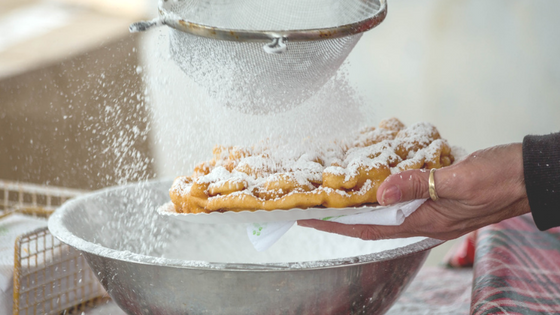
(155, 265)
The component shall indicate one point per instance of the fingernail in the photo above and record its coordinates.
(391, 195)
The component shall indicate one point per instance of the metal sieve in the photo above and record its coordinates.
(262, 56)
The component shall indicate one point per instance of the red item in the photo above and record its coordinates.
(461, 255)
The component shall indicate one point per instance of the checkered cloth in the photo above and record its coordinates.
(517, 269)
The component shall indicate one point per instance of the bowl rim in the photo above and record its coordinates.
(61, 232)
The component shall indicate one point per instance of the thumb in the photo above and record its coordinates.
(405, 186)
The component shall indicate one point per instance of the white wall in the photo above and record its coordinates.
(485, 72)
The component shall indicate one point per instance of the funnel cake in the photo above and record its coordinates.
(243, 178)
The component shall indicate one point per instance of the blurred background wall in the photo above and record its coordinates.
(72, 112)
(486, 72)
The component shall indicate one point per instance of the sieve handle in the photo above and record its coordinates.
(144, 25)
(276, 46)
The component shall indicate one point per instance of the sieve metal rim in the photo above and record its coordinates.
(202, 30)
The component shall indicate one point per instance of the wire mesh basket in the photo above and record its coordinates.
(50, 277)
(32, 199)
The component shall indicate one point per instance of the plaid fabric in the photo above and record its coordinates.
(517, 269)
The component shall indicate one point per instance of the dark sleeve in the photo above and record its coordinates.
(541, 163)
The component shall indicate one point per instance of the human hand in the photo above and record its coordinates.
(486, 187)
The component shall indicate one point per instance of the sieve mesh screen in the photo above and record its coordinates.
(242, 75)
(239, 72)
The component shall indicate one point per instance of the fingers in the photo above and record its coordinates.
(425, 221)
(413, 184)
(408, 185)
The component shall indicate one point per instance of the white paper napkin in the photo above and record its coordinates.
(264, 235)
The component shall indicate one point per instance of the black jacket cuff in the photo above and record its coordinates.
(541, 163)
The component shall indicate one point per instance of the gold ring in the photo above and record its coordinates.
(432, 186)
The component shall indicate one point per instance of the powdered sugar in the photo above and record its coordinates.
(218, 174)
(181, 187)
(336, 170)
